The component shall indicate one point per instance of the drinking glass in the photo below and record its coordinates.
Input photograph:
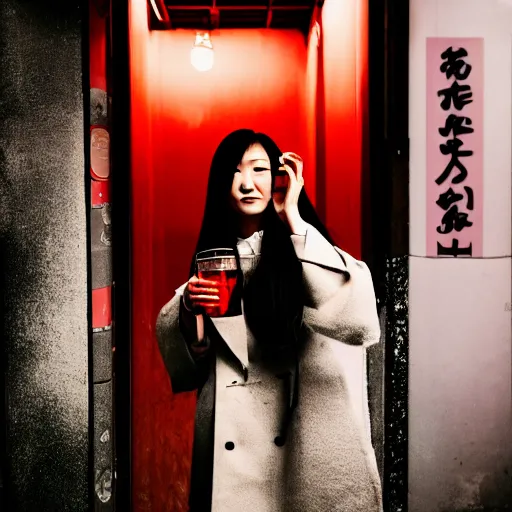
(218, 265)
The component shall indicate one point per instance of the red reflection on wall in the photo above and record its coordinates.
(97, 45)
(345, 75)
(264, 80)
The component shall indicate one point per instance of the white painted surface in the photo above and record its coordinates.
(492, 20)
(460, 413)
(460, 387)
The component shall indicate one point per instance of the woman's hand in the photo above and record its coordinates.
(286, 199)
(200, 293)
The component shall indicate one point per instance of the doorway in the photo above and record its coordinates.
(297, 72)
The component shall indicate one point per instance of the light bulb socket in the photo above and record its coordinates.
(203, 40)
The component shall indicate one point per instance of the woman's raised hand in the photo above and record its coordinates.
(286, 202)
(200, 293)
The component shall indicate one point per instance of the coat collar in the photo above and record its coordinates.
(314, 248)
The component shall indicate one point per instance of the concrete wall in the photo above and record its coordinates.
(460, 403)
(44, 254)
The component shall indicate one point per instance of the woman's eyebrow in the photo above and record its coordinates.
(260, 160)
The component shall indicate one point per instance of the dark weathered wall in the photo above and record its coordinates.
(44, 254)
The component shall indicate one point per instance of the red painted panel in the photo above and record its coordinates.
(97, 46)
(101, 307)
(100, 192)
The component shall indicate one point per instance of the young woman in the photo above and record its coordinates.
(282, 418)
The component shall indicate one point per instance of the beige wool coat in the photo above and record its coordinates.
(327, 462)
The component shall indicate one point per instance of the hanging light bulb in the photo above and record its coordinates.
(201, 54)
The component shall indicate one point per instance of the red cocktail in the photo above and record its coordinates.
(218, 265)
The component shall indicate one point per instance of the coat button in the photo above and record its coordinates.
(279, 441)
(230, 445)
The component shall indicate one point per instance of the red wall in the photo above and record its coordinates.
(179, 116)
(345, 73)
(264, 80)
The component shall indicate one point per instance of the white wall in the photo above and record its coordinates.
(460, 388)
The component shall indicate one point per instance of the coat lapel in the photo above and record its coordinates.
(233, 331)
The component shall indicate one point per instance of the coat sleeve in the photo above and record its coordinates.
(186, 370)
(340, 298)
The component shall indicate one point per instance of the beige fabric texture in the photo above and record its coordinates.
(328, 462)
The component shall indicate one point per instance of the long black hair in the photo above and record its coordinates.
(274, 296)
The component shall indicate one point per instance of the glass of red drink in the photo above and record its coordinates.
(218, 265)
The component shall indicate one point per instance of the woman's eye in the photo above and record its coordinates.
(261, 169)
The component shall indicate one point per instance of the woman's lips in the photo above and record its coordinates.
(249, 199)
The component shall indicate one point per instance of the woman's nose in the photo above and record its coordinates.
(247, 184)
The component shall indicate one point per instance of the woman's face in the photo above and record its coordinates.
(251, 190)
